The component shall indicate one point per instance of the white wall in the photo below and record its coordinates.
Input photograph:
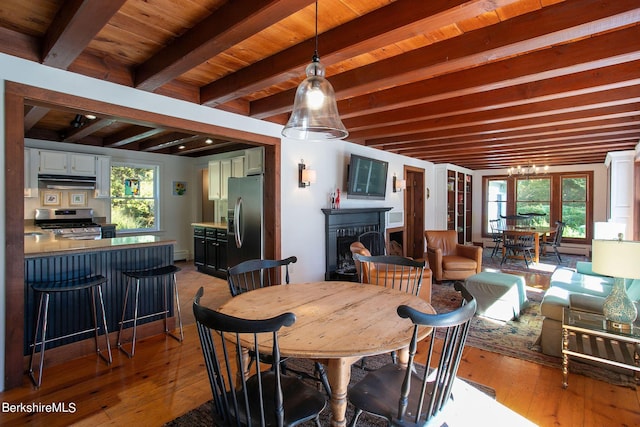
(302, 219)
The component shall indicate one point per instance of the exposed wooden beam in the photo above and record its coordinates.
(131, 135)
(77, 23)
(34, 115)
(554, 25)
(169, 140)
(89, 128)
(232, 23)
(354, 38)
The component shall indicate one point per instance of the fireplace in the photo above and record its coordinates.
(342, 227)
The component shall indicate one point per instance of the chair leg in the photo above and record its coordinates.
(106, 331)
(322, 374)
(174, 284)
(354, 420)
(135, 319)
(45, 298)
(557, 255)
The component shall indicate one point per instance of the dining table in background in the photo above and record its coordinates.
(536, 232)
(337, 323)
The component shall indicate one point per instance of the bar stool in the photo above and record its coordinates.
(45, 289)
(165, 275)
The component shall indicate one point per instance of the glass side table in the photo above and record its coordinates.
(587, 335)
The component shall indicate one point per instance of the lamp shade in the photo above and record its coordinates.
(616, 258)
(309, 176)
(315, 113)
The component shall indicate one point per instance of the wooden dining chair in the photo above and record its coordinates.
(411, 395)
(517, 244)
(257, 273)
(374, 241)
(390, 271)
(496, 235)
(556, 241)
(262, 397)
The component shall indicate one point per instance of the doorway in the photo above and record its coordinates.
(414, 212)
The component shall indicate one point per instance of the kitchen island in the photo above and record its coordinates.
(210, 248)
(49, 258)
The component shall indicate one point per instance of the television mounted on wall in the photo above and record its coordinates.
(367, 178)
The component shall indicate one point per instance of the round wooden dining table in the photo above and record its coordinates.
(337, 323)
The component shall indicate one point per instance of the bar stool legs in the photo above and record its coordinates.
(167, 278)
(45, 290)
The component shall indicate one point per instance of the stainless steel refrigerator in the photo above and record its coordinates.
(244, 219)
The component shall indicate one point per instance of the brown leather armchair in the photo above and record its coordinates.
(450, 260)
(358, 248)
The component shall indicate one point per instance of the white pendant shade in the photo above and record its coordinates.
(315, 113)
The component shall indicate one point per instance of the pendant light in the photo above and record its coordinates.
(315, 113)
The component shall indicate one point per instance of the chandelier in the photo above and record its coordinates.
(527, 171)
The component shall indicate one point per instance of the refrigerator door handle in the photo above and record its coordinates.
(237, 214)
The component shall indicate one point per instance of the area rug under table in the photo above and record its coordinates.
(201, 416)
(518, 337)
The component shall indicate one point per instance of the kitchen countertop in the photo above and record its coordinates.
(210, 224)
(46, 244)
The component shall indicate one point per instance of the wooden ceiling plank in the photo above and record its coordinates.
(20, 45)
(586, 82)
(571, 20)
(519, 137)
(574, 104)
(354, 38)
(626, 110)
(608, 49)
(77, 23)
(232, 23)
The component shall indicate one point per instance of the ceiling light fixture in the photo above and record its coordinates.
(315, 112)
(208, 141)
(527, 171)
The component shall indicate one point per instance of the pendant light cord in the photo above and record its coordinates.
(316, 57)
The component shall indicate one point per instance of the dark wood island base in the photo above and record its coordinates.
(51, 260)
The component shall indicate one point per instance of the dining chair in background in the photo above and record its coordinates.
(261, 397)
(518, 244)
(496, 235)
(374, 241)
(556, 241)
(257, 273)
(390, 271)
(405, 396)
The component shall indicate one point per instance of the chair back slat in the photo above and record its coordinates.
(255, 398)
(374, 241)
(391, 271)
(258, 273)
(436, 386)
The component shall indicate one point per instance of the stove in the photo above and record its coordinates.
(76, 224)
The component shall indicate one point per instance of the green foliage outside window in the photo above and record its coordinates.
(574, 206)
(133, 201)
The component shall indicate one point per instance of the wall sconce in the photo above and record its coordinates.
(306, 177)
(398, 184)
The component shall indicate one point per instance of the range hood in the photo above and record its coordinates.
(67, 182)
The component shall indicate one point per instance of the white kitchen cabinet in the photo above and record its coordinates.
(237, 167)
(214, 180)
(253, 161)
(103, 177)
(60, 162)
(219, 173)
(30, 173)
(225, 173)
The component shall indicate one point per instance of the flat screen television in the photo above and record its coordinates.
(367, 178)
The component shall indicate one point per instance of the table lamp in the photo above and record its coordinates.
(621, 260)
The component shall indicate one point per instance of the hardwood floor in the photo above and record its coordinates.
(166, 379)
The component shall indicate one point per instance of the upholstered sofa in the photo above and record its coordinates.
(567, 288)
